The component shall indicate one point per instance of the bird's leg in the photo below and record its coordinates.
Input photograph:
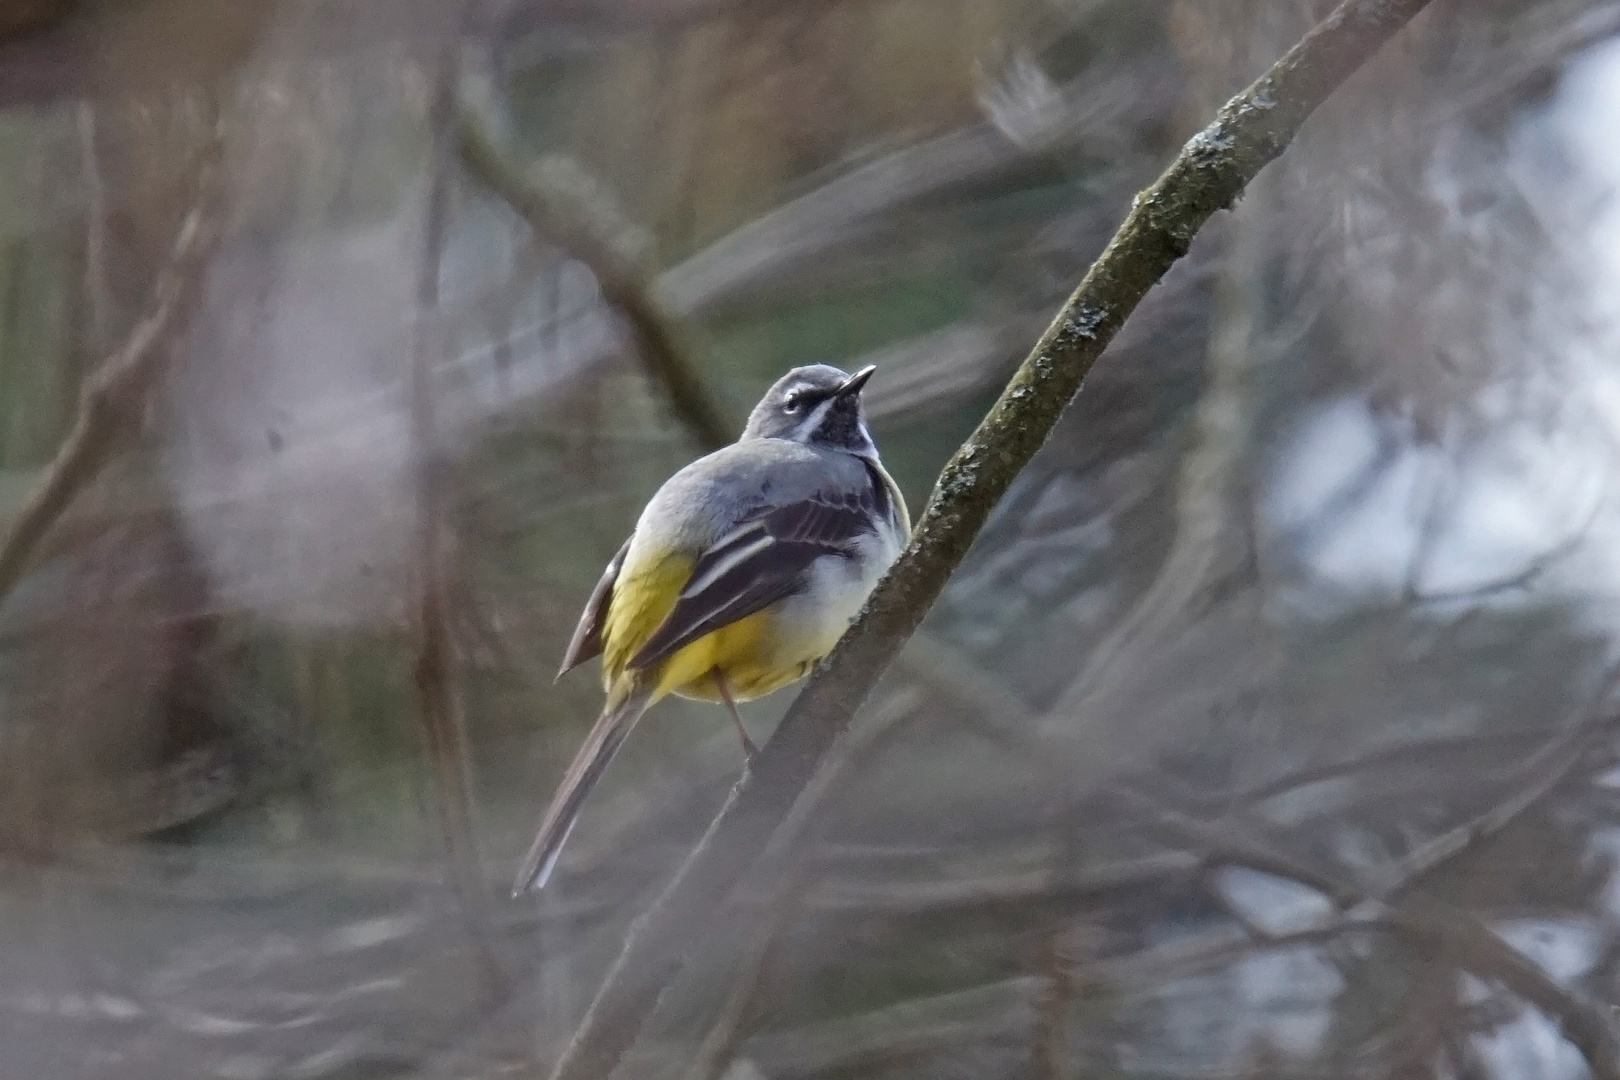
(749, 749)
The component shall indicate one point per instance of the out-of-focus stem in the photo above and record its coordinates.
(566, 206)
(114, 396)
(438, 691)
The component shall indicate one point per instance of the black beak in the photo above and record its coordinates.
(853, 384)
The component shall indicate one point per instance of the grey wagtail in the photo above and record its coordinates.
(744, 570)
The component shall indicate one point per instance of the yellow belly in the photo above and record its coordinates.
(747, 653)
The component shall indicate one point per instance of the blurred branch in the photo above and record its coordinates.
(1476, 948)
(1430, 1012)
(569, 208)
(1544, 771)
(114, 396)
(863, 1044)
(1208, 175)
(1001, 1010)
(1201, 844)
(944, 366)
(1009, 890)
(1229, 843)
(1462, 934)
(784, 872)
(1211, 549)
(513, 18)
(1092, 108)
(954, 676)
(1465, 939)
(1050, 1057)
(439, 696)
(1423, 753)
(19, 18)
(1227, 837)
(1537, 50)
(856, 1045)
(97, 297)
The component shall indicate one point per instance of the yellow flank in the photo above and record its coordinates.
(745, 651)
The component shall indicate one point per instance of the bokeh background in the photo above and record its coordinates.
(1306, 614)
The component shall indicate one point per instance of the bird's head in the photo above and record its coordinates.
(816, 405)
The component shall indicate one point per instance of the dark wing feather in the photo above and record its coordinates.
(587, 640)
(761, 561)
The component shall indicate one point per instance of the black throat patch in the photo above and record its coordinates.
(840, 425)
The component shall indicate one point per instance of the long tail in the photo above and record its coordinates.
(606, 736)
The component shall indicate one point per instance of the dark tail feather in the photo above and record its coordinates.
(606, 736)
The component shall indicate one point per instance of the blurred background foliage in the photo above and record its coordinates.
(1308, 607)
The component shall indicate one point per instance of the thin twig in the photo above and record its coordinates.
(1208, 175)
(567, 207)
(113, 398)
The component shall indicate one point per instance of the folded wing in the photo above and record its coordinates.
(587, 640)
(762, 560)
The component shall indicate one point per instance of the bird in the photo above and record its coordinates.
(741, 574)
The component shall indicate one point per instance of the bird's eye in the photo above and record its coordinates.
(794, 401)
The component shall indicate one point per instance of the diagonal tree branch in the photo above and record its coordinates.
(567, 207)
(113, 398)
(1208, 175)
